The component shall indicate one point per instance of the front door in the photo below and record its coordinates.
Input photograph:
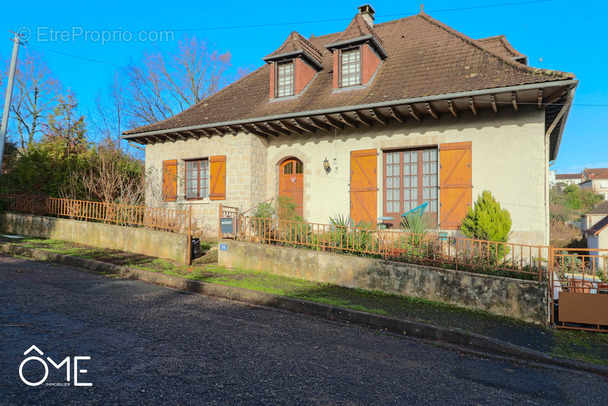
(291, 182)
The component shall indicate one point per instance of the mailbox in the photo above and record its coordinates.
(227, 225)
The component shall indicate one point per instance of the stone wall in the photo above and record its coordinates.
(524, 300)
(246, 161)
(160, 244)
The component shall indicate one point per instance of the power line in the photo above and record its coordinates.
(234, 27)
(296, 23)
(76, 56)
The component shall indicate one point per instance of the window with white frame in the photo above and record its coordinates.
(285, 79)
(350, 68)
(197, 179)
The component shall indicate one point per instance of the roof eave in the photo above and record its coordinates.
(356, 41)
(423, 99)
(294, 54)
(564, 120)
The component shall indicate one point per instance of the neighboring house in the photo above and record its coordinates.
(596, 180)
(371, 121)
(597, 237)
(592, 217)
(567, 179)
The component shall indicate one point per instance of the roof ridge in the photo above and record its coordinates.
(491, 37)
(307, 42)
(507, 44)
(357, 23)
(475, 43)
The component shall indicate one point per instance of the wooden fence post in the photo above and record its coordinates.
(219, 222)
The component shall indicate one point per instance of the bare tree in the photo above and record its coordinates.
(35, 96)
(108, 117)
(163, 86)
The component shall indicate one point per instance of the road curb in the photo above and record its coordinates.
(400, 326)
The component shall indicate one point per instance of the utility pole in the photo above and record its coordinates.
(9, 95)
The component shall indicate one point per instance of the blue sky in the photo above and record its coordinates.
(555, 34)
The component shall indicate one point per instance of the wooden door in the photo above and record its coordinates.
(363, 186)
(291, 182)
(456, 189)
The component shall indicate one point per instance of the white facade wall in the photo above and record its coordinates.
(509, 158)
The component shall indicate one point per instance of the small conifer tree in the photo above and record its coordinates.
(488, 221)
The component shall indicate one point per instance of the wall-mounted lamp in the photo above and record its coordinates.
(326, 166)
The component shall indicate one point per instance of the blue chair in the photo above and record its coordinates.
(420, 208)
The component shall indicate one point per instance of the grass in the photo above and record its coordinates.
(584, 346)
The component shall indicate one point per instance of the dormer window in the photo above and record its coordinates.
(357, 53)
(350, 67)
(293, 66)
(285, 79)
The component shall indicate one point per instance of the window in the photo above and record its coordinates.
(350, 68)
(410, 179)
(285, 82)
(288, 168)
(197, 179)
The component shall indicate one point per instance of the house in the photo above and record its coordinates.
(597, 238)
(566, 179)
(596, 180)
(371, 122)
(591, 218)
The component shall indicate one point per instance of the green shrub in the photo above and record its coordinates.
(264, 210)
(262, 222)
(417, 223)
(286, 209)
(348, 235)
(488, 221)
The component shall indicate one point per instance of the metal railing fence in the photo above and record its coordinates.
(488, 257)
(119, 214)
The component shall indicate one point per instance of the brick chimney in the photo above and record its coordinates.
(367, 12)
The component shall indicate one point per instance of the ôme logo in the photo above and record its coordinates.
(32, 382)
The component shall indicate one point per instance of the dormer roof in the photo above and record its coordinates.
(500, 46)
(294, 46)
(357, 32)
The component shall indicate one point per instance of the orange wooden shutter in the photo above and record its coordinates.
(363, 186)
(217, 189)
(456, 189)
(170, 180)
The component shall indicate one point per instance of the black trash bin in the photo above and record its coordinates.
(195, 251)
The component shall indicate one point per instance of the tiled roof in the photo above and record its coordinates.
(601, 208)
(596, 173)
(567, 176)
(500, 46)
(356, 29)
(296, 43)
(425, 58)
(598, 227)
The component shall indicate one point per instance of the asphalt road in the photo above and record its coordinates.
(153, 345)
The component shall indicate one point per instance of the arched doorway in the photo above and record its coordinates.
(291, 182)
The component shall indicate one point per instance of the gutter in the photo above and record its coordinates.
(570, 82)
(564, 121)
